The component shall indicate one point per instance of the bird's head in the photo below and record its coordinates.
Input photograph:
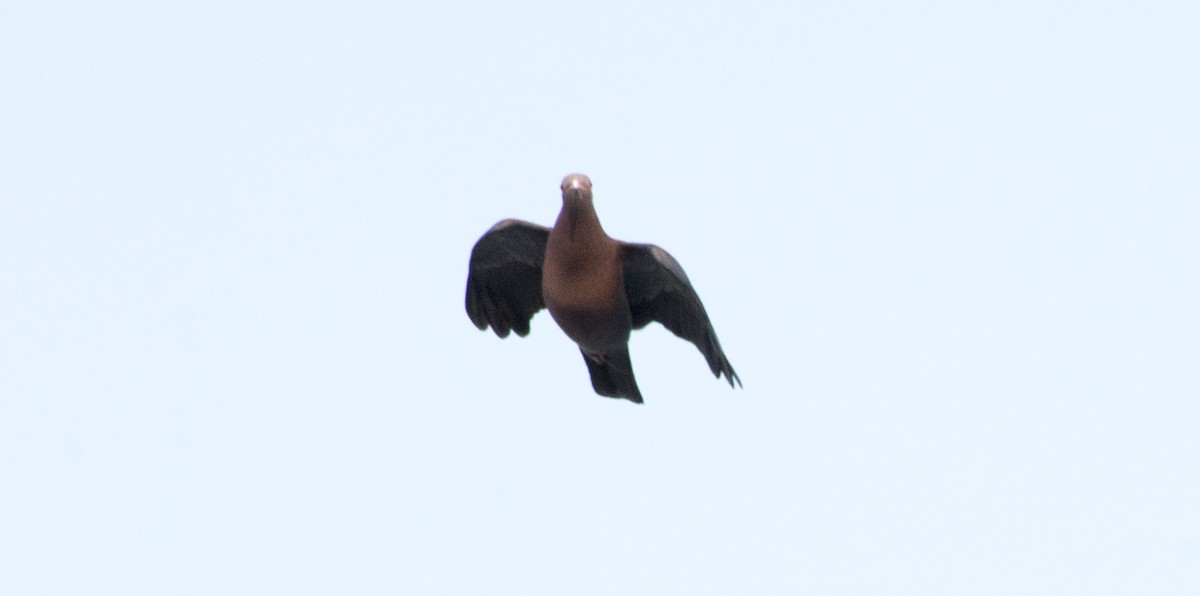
(576, 186)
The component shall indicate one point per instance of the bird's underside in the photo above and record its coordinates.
(597, 290)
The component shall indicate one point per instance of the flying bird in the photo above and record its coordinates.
(597, 289)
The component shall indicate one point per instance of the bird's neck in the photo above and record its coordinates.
(579, 222)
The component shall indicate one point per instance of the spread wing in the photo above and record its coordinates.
(504, 280)
(659, 290)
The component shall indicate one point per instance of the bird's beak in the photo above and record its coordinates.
(574, 190)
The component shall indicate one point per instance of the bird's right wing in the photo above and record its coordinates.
(504, 280)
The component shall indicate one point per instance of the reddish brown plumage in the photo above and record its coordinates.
(597, 289)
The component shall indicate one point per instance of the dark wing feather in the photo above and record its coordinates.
(659, 290)
(504, 280)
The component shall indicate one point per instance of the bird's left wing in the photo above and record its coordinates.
(504, 280)
(659, 290)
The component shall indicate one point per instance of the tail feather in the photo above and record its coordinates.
(612, 375)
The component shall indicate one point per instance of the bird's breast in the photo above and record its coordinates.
(584, 292)
(581, 284)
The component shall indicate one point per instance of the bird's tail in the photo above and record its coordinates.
(612, 375)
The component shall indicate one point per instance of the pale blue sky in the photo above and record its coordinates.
(951, 248)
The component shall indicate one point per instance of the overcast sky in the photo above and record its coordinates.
(951, 248)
